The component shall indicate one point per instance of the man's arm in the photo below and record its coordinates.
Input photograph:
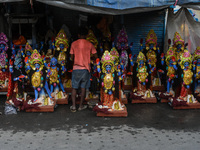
(71, 53)
(94, 56)
(71, 57)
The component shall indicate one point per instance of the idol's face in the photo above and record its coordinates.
(141, 62)
(198, 61)
(37, 66)
(53, 61)
(170, 61)
(179, 46)
(108, 68)
(28, 53)
(61, 46)
(186, 64)
(2, 46)
(151, 46)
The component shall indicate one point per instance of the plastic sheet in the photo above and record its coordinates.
(100, 10)
(184, 23)
(9, 109)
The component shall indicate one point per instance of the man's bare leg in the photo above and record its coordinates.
(74, 98)
(83, 92)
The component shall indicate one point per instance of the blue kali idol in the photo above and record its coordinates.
(53, 74)
(38, 80)
(171, 69)
(196, 70)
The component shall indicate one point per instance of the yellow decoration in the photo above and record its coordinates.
(196, 54)
(197, 70)
(107, 59)
(61, 38)
(115, 56)
(113, 89)
(142, 74)
(151, 39)
(59, 95)
(46, 101)
(116, 106)
(141, 56)
(151, 55)
(170, 54)
(186, 57)
(148, 94)
(171, 71)
(54, 75)
(91, 38)
(108, 81)
(187, 76)
(177, 40)
(62, 57)
(36, 59)
(36, 79)
(28, 48)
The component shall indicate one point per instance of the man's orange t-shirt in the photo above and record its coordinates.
(82, 49)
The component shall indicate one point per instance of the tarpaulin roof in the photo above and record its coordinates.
(5, 1)
(99, 10)
(116, 7)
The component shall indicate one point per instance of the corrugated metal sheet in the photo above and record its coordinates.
(138, 26)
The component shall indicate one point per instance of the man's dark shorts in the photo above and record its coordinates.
(80, 78)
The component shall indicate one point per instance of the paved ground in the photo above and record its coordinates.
(147, 127)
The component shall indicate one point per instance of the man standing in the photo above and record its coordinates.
(81, 51)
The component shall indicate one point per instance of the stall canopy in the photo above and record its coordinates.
(5, 1)
(116, 7)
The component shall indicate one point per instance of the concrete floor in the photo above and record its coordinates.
(147, 127)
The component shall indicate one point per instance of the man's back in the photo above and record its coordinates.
(82, 49)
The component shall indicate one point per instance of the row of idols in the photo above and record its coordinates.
(177, 72)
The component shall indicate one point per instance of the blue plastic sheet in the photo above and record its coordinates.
(126, 4)
(118, 7)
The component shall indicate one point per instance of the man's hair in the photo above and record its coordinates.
(82, 31)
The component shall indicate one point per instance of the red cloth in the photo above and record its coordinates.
(10, 86)
(82, 49)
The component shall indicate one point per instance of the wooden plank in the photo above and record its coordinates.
(120, 113)
(47, 108)
(4, 89)
(127, 87)
(42, 109)
(147, 100)
(158, 88)
(63, 100)
(189, 106)
(164, 100)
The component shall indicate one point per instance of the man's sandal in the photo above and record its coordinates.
(72, 109)
(82, 108)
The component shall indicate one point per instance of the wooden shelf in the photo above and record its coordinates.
(189, 106)
(62, 100)
(147, 100)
